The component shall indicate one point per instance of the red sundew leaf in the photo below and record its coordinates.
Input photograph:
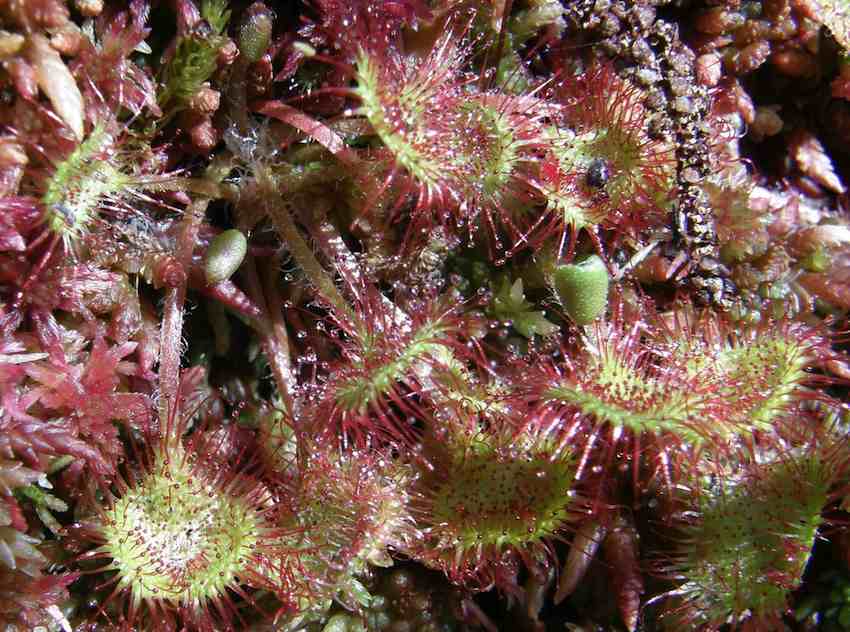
(613, 172)
(316, 130)
(386, 357)
(550, 172)
(176, 484)
(490, 501)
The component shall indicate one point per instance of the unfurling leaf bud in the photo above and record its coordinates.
(582, 288)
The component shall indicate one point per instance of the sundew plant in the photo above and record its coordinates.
(424, 316)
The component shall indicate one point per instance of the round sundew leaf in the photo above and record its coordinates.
(176, 538)
(351, 510)
(386, 102)
(500, 498)
(459, 147)
(79, 184)
(752, 541)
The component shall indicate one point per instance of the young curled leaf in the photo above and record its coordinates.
(621, 552)
(585, 544)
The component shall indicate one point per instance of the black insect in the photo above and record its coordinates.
(598, 173)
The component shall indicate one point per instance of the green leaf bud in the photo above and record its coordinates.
(582, 288)
(255, 32)
(225, 255)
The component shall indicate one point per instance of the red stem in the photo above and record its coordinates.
(272, 330)
(277, 343)
(316, 130)
(171, 333)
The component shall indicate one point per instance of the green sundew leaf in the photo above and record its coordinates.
(357, 393)
(753, 540)
(410, 97)
(507, 497)
(79, 184)
(616, 393)
(216, 13)
(768, 371)
(509, 304)
(184, 518)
